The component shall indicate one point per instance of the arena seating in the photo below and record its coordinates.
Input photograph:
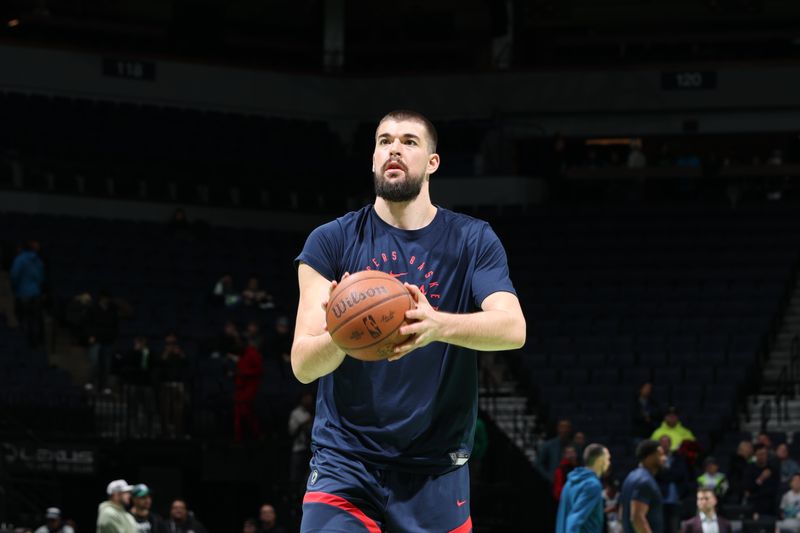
(685, 299)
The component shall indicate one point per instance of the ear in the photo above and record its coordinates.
(433, 163)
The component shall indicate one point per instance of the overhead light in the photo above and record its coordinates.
(13, 23)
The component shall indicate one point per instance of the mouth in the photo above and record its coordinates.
(394, 165)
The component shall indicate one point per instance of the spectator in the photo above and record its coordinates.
(761, 480)
(54, 523)
(765, 440)
(552, 450)
(183, 521)
(642, 507)
(789, 466)
(300, 422)
(27, 276)
(673, 481)
(146, 520)
(111, 515)
(636, 158)
(672, 427)
(568, 463)
(136, 373)
(712, 478)
(172, 373)
(250, 526)
(645, 412)
(579, 441)
(224, 292)
(269, 520)
(230, 342)
(611, 506)
(707, 518)
(103, 328)
(254, 295)
(253, 336)
(738, 465)
(790, 507)
(249, 371)
(581, 507)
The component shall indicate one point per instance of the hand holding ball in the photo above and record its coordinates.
(365, 312)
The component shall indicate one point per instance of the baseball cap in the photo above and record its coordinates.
(141, 490)
(118, 485)
(53, 512)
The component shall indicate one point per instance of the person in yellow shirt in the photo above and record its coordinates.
(672, 427)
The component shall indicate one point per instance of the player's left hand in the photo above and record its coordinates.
(425, 328)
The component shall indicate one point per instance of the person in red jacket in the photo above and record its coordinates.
(249, 370)
(569, 461)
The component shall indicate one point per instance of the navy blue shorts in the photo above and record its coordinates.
(345, 496)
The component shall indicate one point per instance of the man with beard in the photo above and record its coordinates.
(642, 503)
(146, 520)
(391, 438)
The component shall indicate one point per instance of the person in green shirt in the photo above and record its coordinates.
(112, 517)
(672, 428)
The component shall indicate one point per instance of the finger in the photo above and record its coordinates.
(411, 329)
(396, 357)
(346, 274)
(413, 289)
(410, 344)
(415, 314)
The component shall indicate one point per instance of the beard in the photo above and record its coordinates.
(403, 190)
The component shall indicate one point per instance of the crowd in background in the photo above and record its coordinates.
(761, 484)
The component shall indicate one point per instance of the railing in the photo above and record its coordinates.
(786, 389)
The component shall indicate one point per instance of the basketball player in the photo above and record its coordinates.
(391, 438)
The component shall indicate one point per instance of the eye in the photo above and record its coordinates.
(383, 141)
(411, 142)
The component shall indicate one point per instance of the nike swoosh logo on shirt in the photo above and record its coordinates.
(460, 502)
(398, 274)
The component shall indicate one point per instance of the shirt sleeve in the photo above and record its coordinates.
(491, 269)
(643, 492)
(323, 251)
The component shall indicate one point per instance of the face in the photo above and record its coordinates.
(53, 523)
(666, 443)
(252, 284)
(144, 502)
(782, 452)
(178, 511)
(564, 429)
(122, 498)
(795, 483)
(712, 468)
(171, 338)
(604, 462)
(761, 456)
(402, 160)
(571, 455)
(646, 390)
(671, 420)
(252, 328)
(706, 501)
(657, 460)
(745, 449)
(267, 514)
(580, 439)
(227, 280)
(764, 439)
(249, 528)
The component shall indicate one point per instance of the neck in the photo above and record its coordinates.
(411, 215)
(653, 470)
(597, 470)
(709, 514)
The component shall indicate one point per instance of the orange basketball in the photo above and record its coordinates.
(365, 312)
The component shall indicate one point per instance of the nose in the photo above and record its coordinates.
(394, 148)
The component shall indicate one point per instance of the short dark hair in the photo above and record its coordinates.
(592, 453)
(408, 114)
(709, 490)
(645, 449)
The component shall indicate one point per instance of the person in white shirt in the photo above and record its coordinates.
(790, 508)
(54, 522)
(707, 519)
